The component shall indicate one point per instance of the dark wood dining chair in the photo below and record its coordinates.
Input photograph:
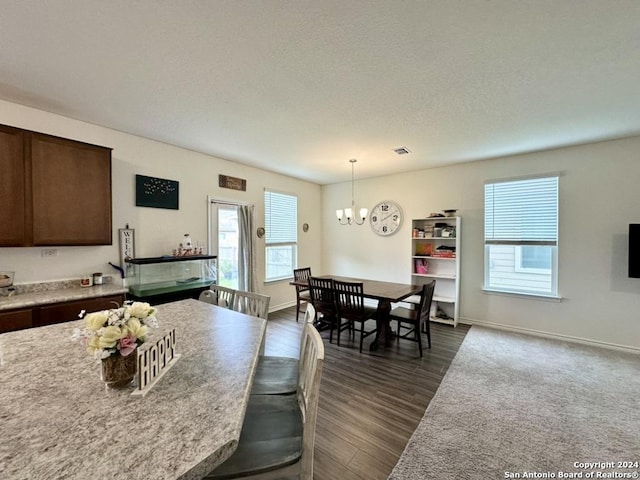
(302, 293)
(279, 375)
(278, 432)
(416, 318)
(323, 300)
(351, 307)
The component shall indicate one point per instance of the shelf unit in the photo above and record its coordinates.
(435, 254)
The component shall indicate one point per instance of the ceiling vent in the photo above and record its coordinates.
(402, 150)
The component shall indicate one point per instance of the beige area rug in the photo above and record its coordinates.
(519, 406)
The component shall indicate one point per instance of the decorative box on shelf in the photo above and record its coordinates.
(168, 278)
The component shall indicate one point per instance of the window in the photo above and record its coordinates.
(281, 236)
(534, 259)
(521, 236)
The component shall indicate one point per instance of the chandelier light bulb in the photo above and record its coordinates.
(348, 212)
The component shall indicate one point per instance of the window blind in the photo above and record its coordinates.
(281, 218)
(522, 212)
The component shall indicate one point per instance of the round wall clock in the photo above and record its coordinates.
(385, 218)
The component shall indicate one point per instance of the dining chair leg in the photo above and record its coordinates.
(361, 335)
(297, 308)
(419, 338)
(428, 331)
(330, 330)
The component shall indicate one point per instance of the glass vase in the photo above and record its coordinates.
(119, 371)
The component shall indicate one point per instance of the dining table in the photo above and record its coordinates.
(59, 421)
(384, 293)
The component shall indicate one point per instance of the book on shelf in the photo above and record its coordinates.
(444, 254)
(445, 251)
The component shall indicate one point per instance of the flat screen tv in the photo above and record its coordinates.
(634, 250)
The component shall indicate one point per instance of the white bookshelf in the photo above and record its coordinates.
(430, 238)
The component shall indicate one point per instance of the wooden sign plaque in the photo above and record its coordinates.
(233, 183)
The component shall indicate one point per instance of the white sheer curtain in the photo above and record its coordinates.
(246, 261)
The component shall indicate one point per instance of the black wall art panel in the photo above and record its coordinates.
(156, 192)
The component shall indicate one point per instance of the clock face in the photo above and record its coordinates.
(385, 218)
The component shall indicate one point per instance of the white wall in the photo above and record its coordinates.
(159, 230)
(599, 197)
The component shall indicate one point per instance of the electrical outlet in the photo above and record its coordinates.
(49, 252)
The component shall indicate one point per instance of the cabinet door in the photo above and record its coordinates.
(15, 320)
(68, 311)
(71, 192)
(12, 187)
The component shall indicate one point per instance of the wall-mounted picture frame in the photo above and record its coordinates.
(157, 192)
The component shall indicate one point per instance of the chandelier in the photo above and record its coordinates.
(346, 216)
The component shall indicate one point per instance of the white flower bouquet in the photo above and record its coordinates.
(118, 331)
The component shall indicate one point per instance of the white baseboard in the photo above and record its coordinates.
(557, 336)
(282, 306)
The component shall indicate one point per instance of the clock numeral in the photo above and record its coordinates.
(374, 218)
(395, 218)
(384, 228)
(384, 207)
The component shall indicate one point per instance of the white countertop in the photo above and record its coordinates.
(30, 299)
(58, 421)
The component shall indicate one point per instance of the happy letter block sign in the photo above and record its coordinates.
(154, 362)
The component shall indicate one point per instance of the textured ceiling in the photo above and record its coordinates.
(300, 87)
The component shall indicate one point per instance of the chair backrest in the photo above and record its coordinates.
(252, 303)
(426, 297)
(218, 295)
(349, 299)
(309, 317)
(301, 274)
(311, 362)
(309, 314)
(322, 295)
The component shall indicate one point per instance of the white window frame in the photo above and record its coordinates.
(287, 236)
(497, 236)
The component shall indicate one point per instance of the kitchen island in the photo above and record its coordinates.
(58, 421)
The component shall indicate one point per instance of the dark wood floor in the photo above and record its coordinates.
(370, 403)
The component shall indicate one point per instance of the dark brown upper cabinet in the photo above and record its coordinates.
(12, 187)
(59, 190)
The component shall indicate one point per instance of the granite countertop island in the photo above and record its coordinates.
(58, 421)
